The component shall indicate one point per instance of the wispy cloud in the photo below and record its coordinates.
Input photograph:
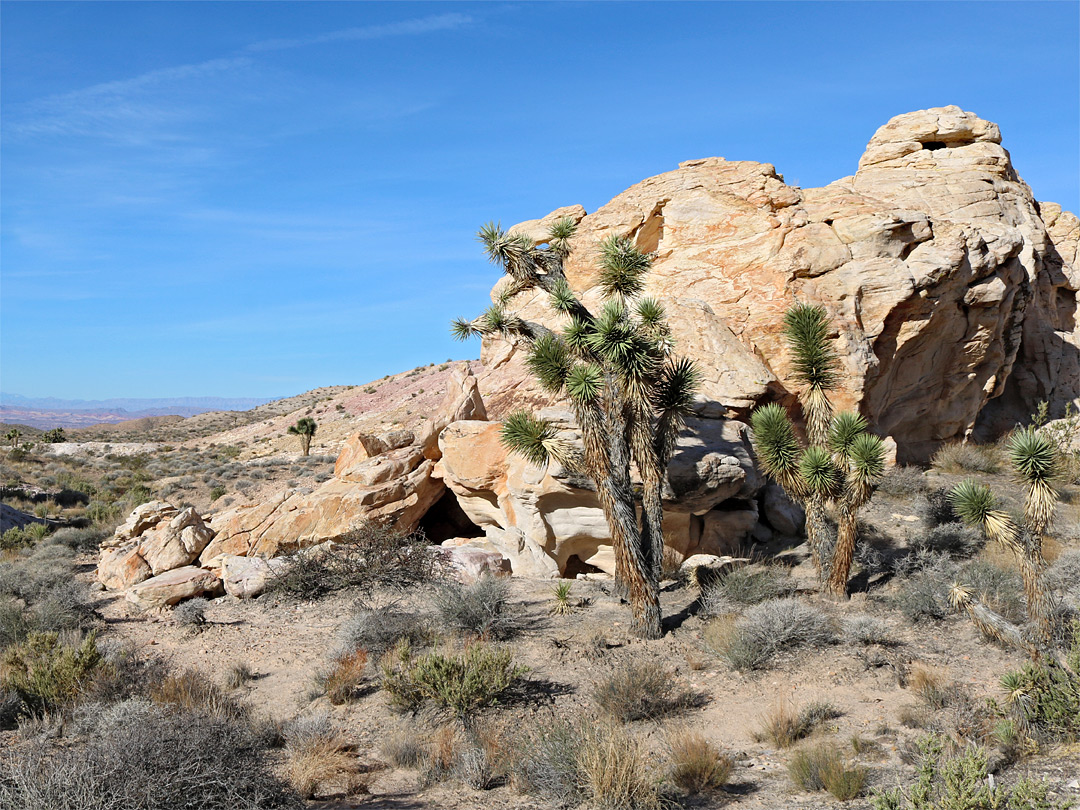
(109, 107)
(421, 25)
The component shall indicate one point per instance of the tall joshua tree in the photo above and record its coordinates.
(1037, 465)
(627, 390)
(841, 464)
(305, 428)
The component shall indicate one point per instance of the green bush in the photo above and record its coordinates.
(1045, 698)
(744, 586)
(46, 673)
(960, 783)
(460, 684)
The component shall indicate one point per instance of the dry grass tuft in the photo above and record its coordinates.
(345, 677)
(697, 765)
(614, 770)
(783, 726)
(642, 691)
(320, 759)
(823, 767)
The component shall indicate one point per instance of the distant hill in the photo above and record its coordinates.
(50, 412)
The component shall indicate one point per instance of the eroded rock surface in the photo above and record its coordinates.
(156, 537)
(948, 284)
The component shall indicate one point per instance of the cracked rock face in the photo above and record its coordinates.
(948, 285)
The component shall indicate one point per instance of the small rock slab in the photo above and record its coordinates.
(174, 586)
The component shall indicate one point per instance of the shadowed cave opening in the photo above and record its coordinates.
(447, 519)
(932, 146)
(575, 565)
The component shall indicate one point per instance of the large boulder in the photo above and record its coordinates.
(542, 519)
(948, 285)
(156, 537)
(172, 587)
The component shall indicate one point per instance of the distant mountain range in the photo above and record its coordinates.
(50, 412)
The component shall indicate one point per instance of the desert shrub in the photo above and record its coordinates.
(217, 492)
(960, 783)
(365, 558)
(967, 458)
(1063, 576)
(903, 481)
(773, 627)
(953, 538)
(47, 673)
(697, 765)
(191, 690)
(1044, 698)
(931, 686)
(378, 629)
(867, 630)
(784, 727)
(480, 609)
(614, 770)
(999, 589)
(341, 683)
(460, 684)
(321, 758)
(14, 538)
(925, 595)
(935, 508)
(744, 586)
(642, 691)
(403, 746)
(237, 675)
(138, 756)
(192, 613)
(85, 539)
(547, 765)
(823, 767)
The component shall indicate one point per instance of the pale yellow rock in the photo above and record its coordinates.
(173, 587)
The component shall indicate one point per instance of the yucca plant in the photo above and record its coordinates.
(305, 428)
(628, 391)
(842, 463)
(561, 593)
(1036, 464)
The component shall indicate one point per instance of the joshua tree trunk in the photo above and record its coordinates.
(844, 553)
(816, 527)
(1040, 602)
(305, 444)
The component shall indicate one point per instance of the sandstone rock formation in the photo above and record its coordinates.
(173, 586)
(948, 284)
(548, 521)
(156, 537)
(385, 477)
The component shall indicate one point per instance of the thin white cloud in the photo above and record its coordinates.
(421, 25)
(108, 107)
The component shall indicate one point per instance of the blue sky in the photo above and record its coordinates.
(255, 199)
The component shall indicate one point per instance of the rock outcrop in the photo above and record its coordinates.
(948, 284)
(157, 537)
(548, 521)
(385, 477)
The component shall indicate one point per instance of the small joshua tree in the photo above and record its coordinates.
(628, 392)
(13, 436)
(1037, 465)
(54, 436)
(841, 464)
(305, 428)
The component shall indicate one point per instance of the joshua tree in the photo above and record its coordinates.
(628, 392)
(304, 428)
(13, 436)
(841, 464)
(54, 436)
(1037, 465)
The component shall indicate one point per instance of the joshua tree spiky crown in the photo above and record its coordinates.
(842, 463)
(630, 394)
(1036, 464)
(305, 428)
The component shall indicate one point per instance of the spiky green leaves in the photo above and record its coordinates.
(650, 313)
(845, 428)
(560, 234)
(585, 383)
(777, 446)
(622, 268)
(819, 472)
(674, 391)
(529, 437)
(807, 330)
(549, 361)
(866, 455)
(1037, 464)
(976, 506)
(463, 329)
(562, 297)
